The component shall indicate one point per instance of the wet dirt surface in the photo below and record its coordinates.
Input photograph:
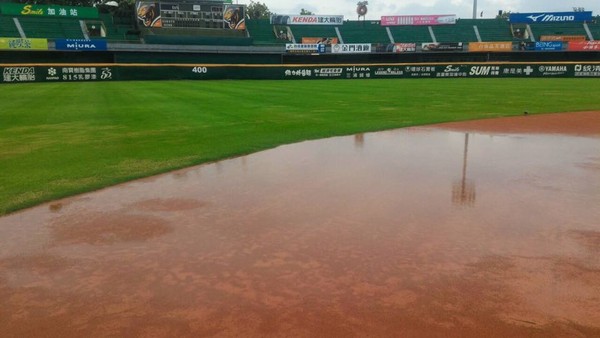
(479, 229)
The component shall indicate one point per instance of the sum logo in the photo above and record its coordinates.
(485, 71)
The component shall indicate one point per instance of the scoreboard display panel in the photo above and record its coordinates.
(197, 14)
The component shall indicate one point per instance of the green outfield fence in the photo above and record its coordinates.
(13, 73)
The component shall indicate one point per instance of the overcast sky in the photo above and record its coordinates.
(462, 8)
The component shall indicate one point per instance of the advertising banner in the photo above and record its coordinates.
(18, 74)
(567, 38)
(405, 47)
(547, 17)
(17, 43)
(303, 48)
(83, 73)
(325, 41)
(583, 70)
(418, 20)
(545, 45)
(351, 48)
(80, 45)
(442, 47)
(235, 17)
(584, 46)
(307, 19)
(49, 11)
(504, 46)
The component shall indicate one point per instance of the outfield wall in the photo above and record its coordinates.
(12, 73)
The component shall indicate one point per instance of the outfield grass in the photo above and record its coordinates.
(62, 139)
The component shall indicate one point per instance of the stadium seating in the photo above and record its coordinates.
(8, 28)
(262, 32)
(118, 28)
(494, 30)
(462, 31)
(416, 34)
(557, 28)
(51, 28)
(317, 31)
(363, 32)
(595, 29)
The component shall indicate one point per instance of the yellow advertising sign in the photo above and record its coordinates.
(325, 41)
(562, 38)
(499, 46)
(28, 44)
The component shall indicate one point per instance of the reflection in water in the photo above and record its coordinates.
(463, 191)
(318, 239)
(359, 140)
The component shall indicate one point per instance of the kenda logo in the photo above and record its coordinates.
(551, 18)
(304, 19)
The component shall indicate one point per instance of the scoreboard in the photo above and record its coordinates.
(202, 15)
(197, 14)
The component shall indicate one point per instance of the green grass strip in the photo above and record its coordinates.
(61, 139)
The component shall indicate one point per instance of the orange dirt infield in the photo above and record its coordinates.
(476, 229)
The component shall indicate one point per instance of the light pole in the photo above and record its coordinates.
(474, 9)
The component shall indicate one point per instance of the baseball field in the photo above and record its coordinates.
(58, 140)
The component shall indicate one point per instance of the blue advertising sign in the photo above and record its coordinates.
(549, 45)
(550, 17)
(80, 45)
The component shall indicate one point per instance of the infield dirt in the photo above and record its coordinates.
(476, 229)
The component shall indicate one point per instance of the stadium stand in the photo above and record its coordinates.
(51, 28)
(557, 28)
(301, 31)
(595, 29)
(119, 28)
(494, 30)
(8, 28)
(261, 31)
(462, 31)
(415, 34)
(363, 31)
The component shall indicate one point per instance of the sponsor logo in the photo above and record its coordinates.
(351, 48)
(18, 74)
(484, 71)
(106, 74)
(329, 70)
(553, 69)
(528, 70)
(587, 70)
(27, 10)
(298, 72)
(358, 72)
(451, 69)
(551, 18)
(304, 19)
(535, 18)
(81, 45)
(389, 71)
(52, 74)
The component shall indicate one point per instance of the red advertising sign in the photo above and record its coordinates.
(584, 46)
(405, 47)
(418, 20)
